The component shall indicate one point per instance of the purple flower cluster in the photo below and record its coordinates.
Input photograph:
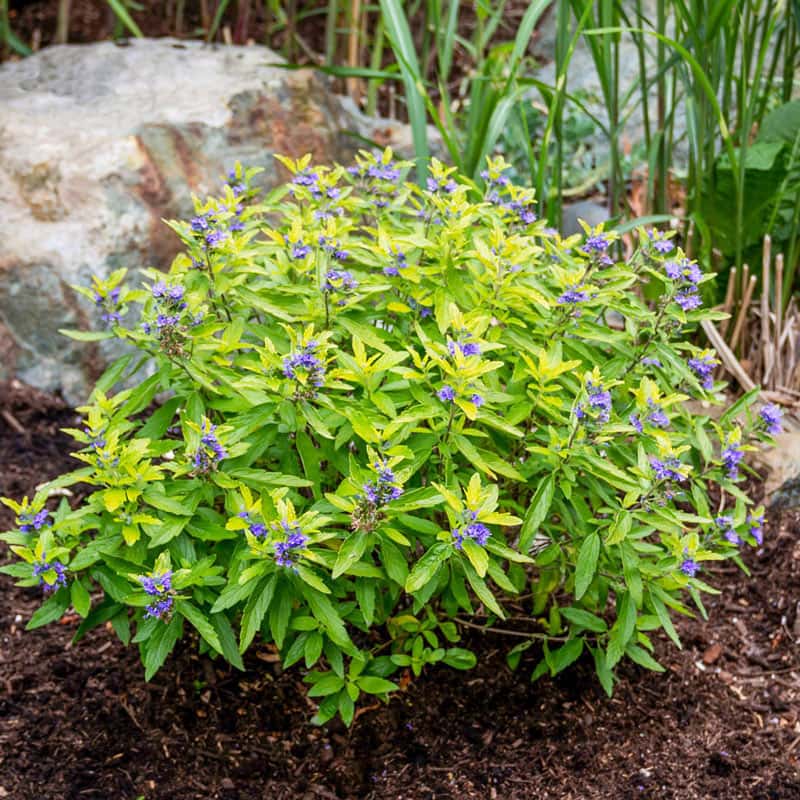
(383, 490)
(334, 248)
(725, 524)
(158, 587)
(236, 185)
(463, 344)
(703, 367)
(339, 280)
(170, 304)
(596, 243)
(599, 402)
(210, 452)
(661, 244)
(732, 456)
(755, 527)
(447, 185)
(258, 529)
(205, 225)
(400, 262)
(298, 249)
(41, 567)
(470, 529)
(687, 275)
(446, 394)
(771, 418)
(667, 470)
(424, 311)
(689, 566)
(655, 417)
(573, 294)
(29, 521)
(649, 361)
(286, 551)
(305, 360)
(109, 305)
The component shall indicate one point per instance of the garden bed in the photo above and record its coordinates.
(80, 722)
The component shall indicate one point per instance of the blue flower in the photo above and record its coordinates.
(476, 400)
(339, 280)
(657, 417)
(215, 238)
(210, 452)
(725, 525)
(649, 361)
(596, 243)
(599, 401)
(690, 567)
(771, 417)
(636, 423)
(574, 294)
(158, 586)
(258, 529)
(385, 489)
(688, 299)
(41, 567)
(467, 348)
(446, 394)
(470, 528)
(732, 456)
(384, 172)
(667, 470)
(755, 523)
(305, 360)
(703, 366)
(33, 521)
(300, 250)
(286, 554)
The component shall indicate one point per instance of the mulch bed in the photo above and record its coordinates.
(80, 722)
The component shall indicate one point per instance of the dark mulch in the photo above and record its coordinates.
(79, 721)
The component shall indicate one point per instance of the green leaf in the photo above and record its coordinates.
(232, 594)
(51, 610)
(482, 591)
(427, 567)
(622, 630)
(254, 611)
(81, 599)
(643, 658)
(322, 608)
(200, 623)
(587, 564)
(87, 336)
(373, 685)
(352, 549)
(537, 511)
(329, 684)
(477, 556)
(459, 658)
(227, 640)
(567, 654)
(160, 645)
(584, 619)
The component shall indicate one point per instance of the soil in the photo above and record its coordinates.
(78, 721)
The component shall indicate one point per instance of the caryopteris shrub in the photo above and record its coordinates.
(384, 410)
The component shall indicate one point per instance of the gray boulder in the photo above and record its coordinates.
(100, 143)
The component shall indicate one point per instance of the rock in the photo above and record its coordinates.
(99, 143)
(589, 211)
(782, 463)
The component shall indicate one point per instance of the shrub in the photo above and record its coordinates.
(384, 411)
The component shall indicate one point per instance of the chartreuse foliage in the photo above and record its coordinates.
(376, 411)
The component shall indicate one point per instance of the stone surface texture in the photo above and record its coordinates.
(100, 143)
